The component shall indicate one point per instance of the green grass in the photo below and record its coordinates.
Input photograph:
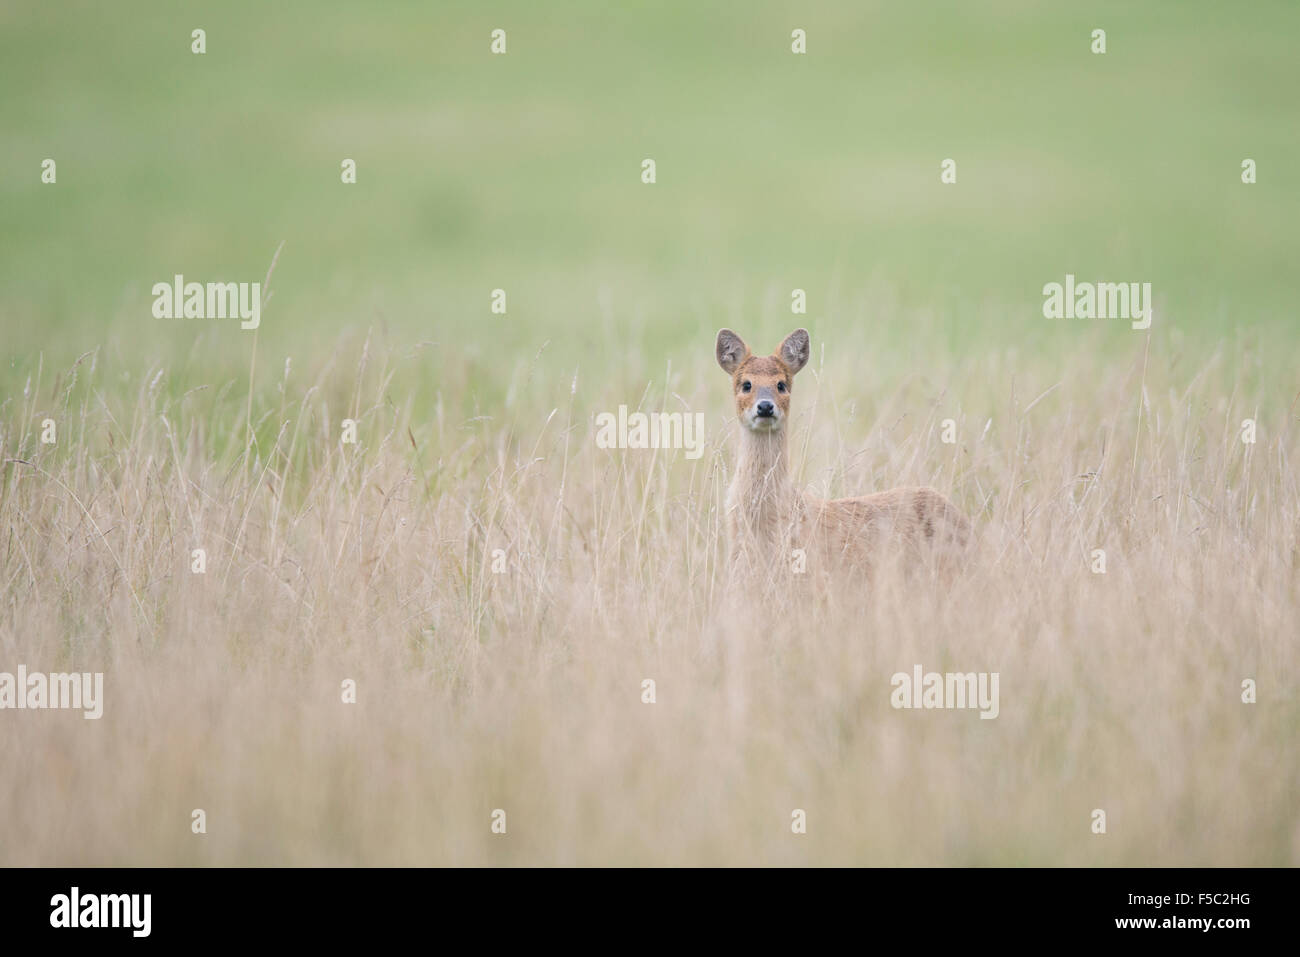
(522, 171)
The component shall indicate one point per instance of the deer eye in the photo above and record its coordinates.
(780, 387)
(745, 386)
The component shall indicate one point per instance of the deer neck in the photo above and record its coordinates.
(761, 500)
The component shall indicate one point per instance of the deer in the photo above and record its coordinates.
(770, 523)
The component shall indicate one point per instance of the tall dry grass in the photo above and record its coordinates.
(522, 690)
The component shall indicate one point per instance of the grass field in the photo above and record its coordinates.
(522, 689)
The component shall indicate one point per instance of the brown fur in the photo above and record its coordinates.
(767, 517)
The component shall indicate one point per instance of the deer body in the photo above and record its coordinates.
(768, 519)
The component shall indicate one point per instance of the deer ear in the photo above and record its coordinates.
(794, 350)
(730, 350)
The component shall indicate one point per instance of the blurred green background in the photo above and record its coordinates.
(522, 172)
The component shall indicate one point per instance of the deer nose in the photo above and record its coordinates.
(765, 409)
